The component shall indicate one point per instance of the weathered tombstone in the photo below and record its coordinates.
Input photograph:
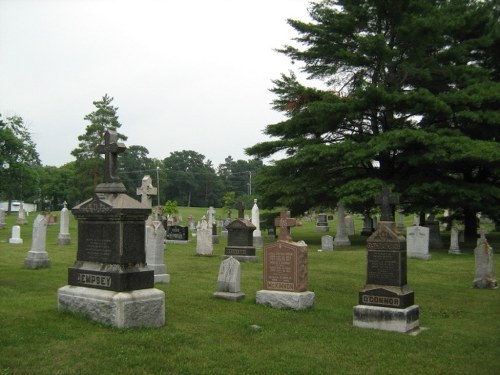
(147, 191)
(240, 241)
(37, 257)
(257, 234)
(349, 225)
(212, 224)
(228, 281)
(64, 238)
(341, 238)
(485, 275)
(223, 232)
(386, 303)
(435, 241)
(367, 229)
(21, 215)
(177, 234)
(285, 222)
(15, 237)
(204, 243)
(155, 248)
(454, 239)
(327, 243)
(110, 281)
(322, 223)
(285, 276)
(401, 225)
(2, 218)
(417, 242)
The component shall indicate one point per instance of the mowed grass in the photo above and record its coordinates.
(203, 335)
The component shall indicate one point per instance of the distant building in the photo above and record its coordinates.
(14, 206)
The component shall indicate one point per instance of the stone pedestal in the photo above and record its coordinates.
(138, 308)
(285, 300)
(37, 259)
(387, 318)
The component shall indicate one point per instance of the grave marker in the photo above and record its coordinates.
(285, 222)
(228, 281)
(147, 191)
(37, 257)
(64, 238)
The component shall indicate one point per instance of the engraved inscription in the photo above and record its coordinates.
(280, 270)
(383, 268)
(380, 300)
(98, 248)
(233, 251)
(94, 280)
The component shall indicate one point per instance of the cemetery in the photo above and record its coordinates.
(358, 238)
(203, 334)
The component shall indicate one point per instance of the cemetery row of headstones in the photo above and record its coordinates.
(111, 282)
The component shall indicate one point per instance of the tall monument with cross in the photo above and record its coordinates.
(147, 191)
(386, 302)
(110, 281)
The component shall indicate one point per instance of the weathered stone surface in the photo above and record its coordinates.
(485, 274)
(285, 266)
(38, 257)
(139, 308)
(327, 243)
(15, 237)
(285, 300)
(204, 244)
(417, 242)
(341, 238)
(454, 239)
(64, 238)
(229, 276)
(386, 318)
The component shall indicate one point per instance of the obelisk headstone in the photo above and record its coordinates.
(2, 218)
(386, 303)
(110, 281)
(38, 257)
(454, 239)
(257, 234)
(64, 238)
(341, 238)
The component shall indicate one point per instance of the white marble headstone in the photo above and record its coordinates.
(155, 246)
(257, 234)
(417, 242)
(16, 235)
(64, 238)
(204, 243)
(37, 257)
(327, 243)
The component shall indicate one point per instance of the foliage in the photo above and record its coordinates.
(410, 101)
(170, 208)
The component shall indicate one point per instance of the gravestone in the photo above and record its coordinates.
(454, 239)
(110, 281)
(21, 215)
(322, 223)
(64, 238)
(240, 241)
(155, 251)
(386, 303)
(177, 234)
(37, 257)
(485, 275)
(285, 222)
(257, 234)
(349, 225)
(2, 219)
(147, 191)
(435, 241)
(15, 237)
(204, 243)
(367, 229)
(327, 243)
(228, 281)
(401, 225)
(417, 242)
(212, 224)
(51, 219)
(285, 277)
(341, 238)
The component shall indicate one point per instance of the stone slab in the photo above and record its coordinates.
(285, 300)
(37, 259)
(139, 308)
(229, 296)
(387, 318)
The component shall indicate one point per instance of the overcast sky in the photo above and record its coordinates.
(185, 75)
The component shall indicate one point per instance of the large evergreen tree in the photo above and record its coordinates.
(411, 100)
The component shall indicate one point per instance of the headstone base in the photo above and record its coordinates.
(64, 239)
(242, 258)
(387, 318)
(485, 283)
(454, 251)
(21, 221)
(37, 259)
(285, 300)
(138, 308)
(177, 241)
(341, 242)
(229, 296)
(163, 278)
(258, 243)
(161, 275)
(322, 228)
(16, 240)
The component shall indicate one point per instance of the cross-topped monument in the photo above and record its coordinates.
(241, 210)
(111, 148)
(285, 222)
(147, 190)
(386, 200)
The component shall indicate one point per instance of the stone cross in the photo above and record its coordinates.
(111, 148)
(285, 223)
(147, 190)
(482, 233)
(385, 200)
(241, 210)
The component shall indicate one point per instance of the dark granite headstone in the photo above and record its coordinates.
(240, 239)
(177, 233)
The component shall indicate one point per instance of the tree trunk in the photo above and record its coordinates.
(470, 223)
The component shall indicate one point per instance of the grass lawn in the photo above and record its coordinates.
(203, 335)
